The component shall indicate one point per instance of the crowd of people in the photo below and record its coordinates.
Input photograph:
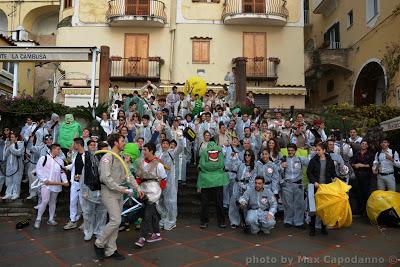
(251, 164)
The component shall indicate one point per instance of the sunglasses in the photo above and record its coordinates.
(121, 120)
(247, 154)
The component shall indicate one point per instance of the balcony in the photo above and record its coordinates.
(255, 12)
(135, 69)
(323, 60)
(143, 13)
(262, 69)
(324, 7)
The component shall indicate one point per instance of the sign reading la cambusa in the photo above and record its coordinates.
(35, 54)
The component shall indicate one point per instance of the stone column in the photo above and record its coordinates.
(241, 81)
(104, 74)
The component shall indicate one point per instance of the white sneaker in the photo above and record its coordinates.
(30, 197)
(70, 225)
(170, 228)
(81, 227)
(14, 197)
(7, 197)
(37, 224)
(52, 222)
(87, 237)
(36, 207)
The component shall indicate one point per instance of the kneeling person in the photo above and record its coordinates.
(262, 206)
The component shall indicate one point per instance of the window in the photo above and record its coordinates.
(371, 9)
(350, 19)
(67, 3)
(330, 86)
(332, 37)
(9, 67)
(201, 51)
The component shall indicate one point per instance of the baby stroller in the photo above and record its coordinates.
(132, 212)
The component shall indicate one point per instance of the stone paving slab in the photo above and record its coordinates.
(188, 245)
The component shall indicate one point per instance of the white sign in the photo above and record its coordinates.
(54, 54)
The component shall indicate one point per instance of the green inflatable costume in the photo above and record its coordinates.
(211, 165)
(69, 130)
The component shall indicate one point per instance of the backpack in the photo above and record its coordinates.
(92, 175)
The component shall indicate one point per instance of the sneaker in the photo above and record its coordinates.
(99, 252)
(14, 197)
(36, 207)
(222, 225)
(233, 226)
(203, 225)
(81, 227)
(87, 237)
(30, 197)
(140, 242)
(116, 256)
(154, 238)
(7, 197)
(70, 225)
(37, 224)
(266, 231)
(52, 222)
(170, 228)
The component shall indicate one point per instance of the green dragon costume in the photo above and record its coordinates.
(69, 130)
(211, 165)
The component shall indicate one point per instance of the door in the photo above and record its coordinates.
(136, 54)
(137, 7)
(253, 6)
(254, 49)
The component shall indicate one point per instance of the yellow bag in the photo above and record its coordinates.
(381, 201)
(332, 204)
(198, 84)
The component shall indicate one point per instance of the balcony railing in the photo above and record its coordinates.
(262, 68)
(135, 10)
(135, 68)
(266, 12)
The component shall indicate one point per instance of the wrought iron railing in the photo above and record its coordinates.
(268, 7)
(149, 8)
(262, 68)
(135, 67)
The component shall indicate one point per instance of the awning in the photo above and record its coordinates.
(392, 124)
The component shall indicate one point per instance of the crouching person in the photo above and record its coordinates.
(261, 204)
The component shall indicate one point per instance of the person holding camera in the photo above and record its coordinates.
(385, 161)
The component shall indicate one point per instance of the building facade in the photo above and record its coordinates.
(168, 42)
(351, 50)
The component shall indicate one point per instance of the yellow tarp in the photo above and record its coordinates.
(332, 203)
(380, 201)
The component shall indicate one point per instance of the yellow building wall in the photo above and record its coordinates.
(159, 44)
(285, 101)
(364, 43)
(213, 11)
(26, 78)
(227, 43)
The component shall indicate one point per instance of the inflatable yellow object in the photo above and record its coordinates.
(332, 203)
(384, 203)
(197, 85)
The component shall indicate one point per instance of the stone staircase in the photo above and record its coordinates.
(188, 201)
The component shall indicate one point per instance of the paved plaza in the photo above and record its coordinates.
(188, 245)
